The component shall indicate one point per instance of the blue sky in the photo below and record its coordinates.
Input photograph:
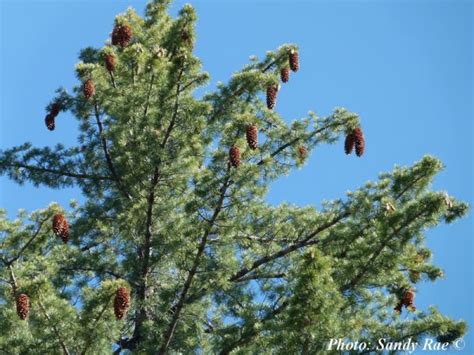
(404, 66)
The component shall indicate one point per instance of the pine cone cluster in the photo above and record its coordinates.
(285, 74)
(110, 62)
(252, 136)
(407, 301)
(272, 91)
(121, 302)
(88, 89)
(355, 139)
(49, 120)
(234, 156)
(293, 60)
(61, 227)
(22, 306)
(121, 35)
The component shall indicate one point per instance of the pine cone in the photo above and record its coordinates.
(359, 141)
(252, 136)
(398, 307)
(121, 35)
(408, 299)
(110, 62)
(285, 74)
(121, 302)
(49, 121)
(349, 143)
(89, 89)
(302, 151)
(272, 91)
(22, 306)
(234, 156)
(293, 59)
(61, 227)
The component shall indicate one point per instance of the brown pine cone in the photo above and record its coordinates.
(234, 156)
(110, 62)
(88, 89)
(121, 35)
(272, 91)
(252, 136)
(408, 299)
(61, 227)
(302, 151)
(293, 59)
(349, 143)
(359, 141)
(49, 121)
(285, 74)
(121, 302)
(22, 306)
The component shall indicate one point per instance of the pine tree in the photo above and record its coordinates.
(188, 238)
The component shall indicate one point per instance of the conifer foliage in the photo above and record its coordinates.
(173, 235)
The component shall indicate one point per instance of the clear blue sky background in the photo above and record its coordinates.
(405, 66)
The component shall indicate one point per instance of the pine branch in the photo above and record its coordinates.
(379, 250)
(184, 293)
(56, 331)
(297, 139)
(145, 253)
(101, 313)
(27, 244)
(56, 172)
(247, 336)
(108, 159)
(285, 251)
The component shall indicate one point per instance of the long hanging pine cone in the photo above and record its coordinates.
(121, 302)
(22, 306)
(252, 136)
(359, 141)
(285, 74)
(234, 156)
(293, 60)
(110, 62)
(349, 143)
(61, 227)
(49, 121)
(121, 35)
(89, 89)
(272, 91)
